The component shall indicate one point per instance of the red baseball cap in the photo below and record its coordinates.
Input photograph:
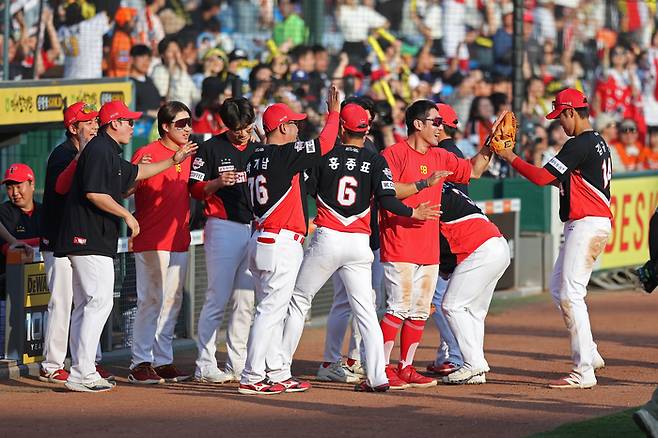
(278, 114)
(354, 118)
(116, 110)
(351, 70)
(567, 98)
(448, 115)
(79, 112)
(18, 172)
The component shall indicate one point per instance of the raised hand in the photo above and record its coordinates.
(184, 152)
(435, 177)
(333, 99)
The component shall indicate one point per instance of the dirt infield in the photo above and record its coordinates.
(526, 345)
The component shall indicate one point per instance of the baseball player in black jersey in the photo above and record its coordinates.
(582, 170)
(347, 178)
(81, 123)
(218, 177)
(278, 195)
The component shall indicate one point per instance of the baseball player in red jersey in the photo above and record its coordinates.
(347, 179)
(161, 250)
(583, 171)
(482, 257)
(410, 250)
(277, 189)
(81, 123)
(218, 177)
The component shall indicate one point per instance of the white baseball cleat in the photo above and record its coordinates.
(100, 385)
(464, 376)
(357, 368)
(337, 372)
(214, 375)
(598, 362)
(572, 381)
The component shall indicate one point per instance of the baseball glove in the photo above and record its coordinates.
(503, 132)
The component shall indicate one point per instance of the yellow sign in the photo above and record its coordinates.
(37, 296)
(45, 103)
(633, 202)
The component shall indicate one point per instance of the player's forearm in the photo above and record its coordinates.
(392, 204)
(105, 202)
(404, 190)
(6, 235)
(329, 133)
(152, 169)
(536, 175)
(480, 162)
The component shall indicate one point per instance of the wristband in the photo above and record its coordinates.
(421, 184)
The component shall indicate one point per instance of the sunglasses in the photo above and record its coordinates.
(182, 123)
(88, 109)
(131, 122)
(627, 130)
(436, 121)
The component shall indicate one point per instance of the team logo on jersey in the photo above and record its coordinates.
(350, 163)
(299, 146)
(228, 168)
(558, 165)
(423, 169)
(197, 163)
(333, 163)
(79, 241)
(240, 177)
(388, 173)
(388, 185)
(310, 147)
(197, 175)
(365, 167)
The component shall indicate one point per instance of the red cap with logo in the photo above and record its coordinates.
(567, 98)
(278, 114)
(116, 110)
(354, 118)
(18, 172)
(448, 115)
(351, 70)
(79, 112)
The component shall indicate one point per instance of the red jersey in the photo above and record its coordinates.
(404, 239)
(162, 204)
(463, 224)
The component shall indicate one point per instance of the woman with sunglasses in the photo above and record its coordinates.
(162, 210)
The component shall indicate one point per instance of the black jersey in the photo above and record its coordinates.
(53, 203)
(215, 156)
(347, 178)
(277, 193)
(584, 168)
(21, 225)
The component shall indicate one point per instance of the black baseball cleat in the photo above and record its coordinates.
(648, 276)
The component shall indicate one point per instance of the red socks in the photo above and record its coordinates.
(390, 325)
(412, 332)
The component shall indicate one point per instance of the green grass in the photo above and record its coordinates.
(500, 305)
(616, 425)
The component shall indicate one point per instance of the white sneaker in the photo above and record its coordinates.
(214, 375)
(337, 372)
(598, 362)
(572, 381)
(357, 369)
(464, 376)
(100, 385)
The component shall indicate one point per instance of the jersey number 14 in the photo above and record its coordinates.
(606, 168)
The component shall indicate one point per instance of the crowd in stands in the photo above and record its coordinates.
(460, 52)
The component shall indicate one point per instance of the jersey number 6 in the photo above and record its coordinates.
(258, 190)
(347, 191)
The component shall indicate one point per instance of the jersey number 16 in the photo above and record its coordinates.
(258, 189)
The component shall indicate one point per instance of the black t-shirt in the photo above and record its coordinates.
(455, 204)
(86, 229)
(218, 155)
(449, 145)
(347, 178)
(53, 203)
(19, 224)
(275, 175)
(584, 169)
(147, 96)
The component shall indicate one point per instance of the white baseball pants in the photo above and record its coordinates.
(93, 298)
(584, 241)
(274, 260)
(226, 245)
(349, 255)
(467, 299)
(59, 276)
(340, 316)
(448, 350)
(409, 289)
(160, 282)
